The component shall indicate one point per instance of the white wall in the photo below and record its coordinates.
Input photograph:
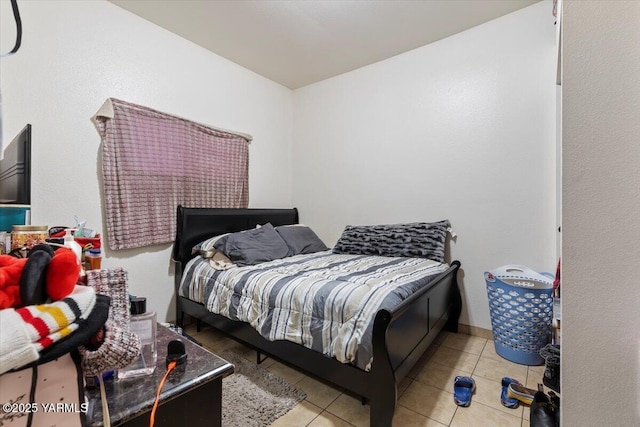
(452, 130)
(463, 128)
(74, 55)
(601, 207)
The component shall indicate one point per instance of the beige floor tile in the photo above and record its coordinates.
(478, 414)
(268, 362)
(533, 381)
(534, 376)
(208, 332)
(404, 384)
(327, 419)
(429, 352)
(441, 337)
(475, 331)
(318, 392)
(405, 417)
(489, 351)
(429, 401)
(243, 351)
(537, 370)
(497, 369)
(206, 337)
(217, 342)
(422, 361)
(455, 358)
(216, 346)
(426, 402)
(488, 393)
(440, 376)
(526, 413)
(300, 415)
(463, 342)
(351, 410)
(283, 371)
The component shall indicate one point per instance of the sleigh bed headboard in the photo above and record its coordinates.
(197, 224)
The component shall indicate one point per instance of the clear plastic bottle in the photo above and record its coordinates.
(144, 325)
(70, 243)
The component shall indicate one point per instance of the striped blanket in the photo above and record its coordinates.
(324, 301)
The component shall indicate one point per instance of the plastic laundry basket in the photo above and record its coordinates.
(521, 308)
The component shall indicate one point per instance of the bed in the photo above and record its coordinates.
(399, 335)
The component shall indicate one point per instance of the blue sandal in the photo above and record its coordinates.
(508, 402)
(463, 388)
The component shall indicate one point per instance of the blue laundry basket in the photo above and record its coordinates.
(521, 308)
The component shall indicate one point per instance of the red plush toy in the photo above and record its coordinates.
(62, 274)
(10, 272)
(44, 274)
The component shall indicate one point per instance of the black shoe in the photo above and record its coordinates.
(551, 355)
(544, 412)
(551, 377)
(555, 404)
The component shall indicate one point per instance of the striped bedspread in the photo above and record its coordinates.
(324, 301)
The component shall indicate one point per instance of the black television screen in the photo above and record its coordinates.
(15, 170)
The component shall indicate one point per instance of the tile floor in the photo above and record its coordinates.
(425, 396)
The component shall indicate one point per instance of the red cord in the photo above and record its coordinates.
(170, 368)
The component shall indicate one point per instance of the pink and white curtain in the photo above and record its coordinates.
(154, 161)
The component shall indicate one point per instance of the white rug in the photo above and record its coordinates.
(254, 397)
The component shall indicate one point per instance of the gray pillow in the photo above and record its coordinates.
(253, 246)
(300, 239)
(417, 240)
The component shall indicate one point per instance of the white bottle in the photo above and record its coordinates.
(70, 243)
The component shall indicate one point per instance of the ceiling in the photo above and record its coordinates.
(296, 43)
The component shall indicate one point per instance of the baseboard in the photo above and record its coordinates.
(475, 331)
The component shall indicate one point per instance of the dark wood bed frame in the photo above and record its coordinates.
(400, 337)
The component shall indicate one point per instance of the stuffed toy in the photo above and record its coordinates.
(43, 275)
(10, 273)
(43, 313)
(62, 274)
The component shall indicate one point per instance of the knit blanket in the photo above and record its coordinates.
(153, 161)
(27, 331)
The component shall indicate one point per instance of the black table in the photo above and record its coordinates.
(191, 396)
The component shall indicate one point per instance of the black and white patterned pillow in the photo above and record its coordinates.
(417, 240)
